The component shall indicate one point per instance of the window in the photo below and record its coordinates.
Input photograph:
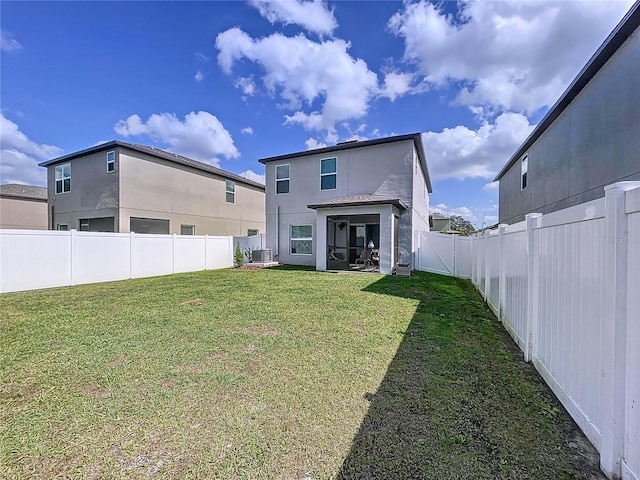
(252, 232)
(328, 173)
(62, 226)
(301, 239)
(524, 166)
(282, 179)
(148, 225)
(63, 178)
(231, 191)
(187, 229)
(111, 161)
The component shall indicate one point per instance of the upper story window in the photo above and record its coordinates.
(328, 169)
(111, 161)
(524, 167)
(282, 179)
(230, 188)
(63, 178)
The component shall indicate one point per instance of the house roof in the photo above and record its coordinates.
(156, 152)
(415, 137)
(625, 28)
(358, 201)
(27, 192)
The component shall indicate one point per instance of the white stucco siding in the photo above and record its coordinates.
(419, 205)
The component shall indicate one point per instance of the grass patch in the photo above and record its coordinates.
(271, 374)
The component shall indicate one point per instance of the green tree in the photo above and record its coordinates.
(238, 256)
(459, 224)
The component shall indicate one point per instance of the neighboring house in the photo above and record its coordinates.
(589, 139)
(124, 187)
(440, 223)
(23, 207)
(325, 206)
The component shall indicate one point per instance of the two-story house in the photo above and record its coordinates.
(324, 207)
(589, 139)
(124, 187)
(23, 207)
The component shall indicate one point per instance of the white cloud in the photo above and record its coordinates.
(396, 84)
(312, 15)
(21, 155)
(247, 131)
(461, 152)
(8, 43)
(302, 72)
(313, 144)
(200, 136)
(199, 76)
(491, 187)
(509, 55)
(251, 175)
(247, 85)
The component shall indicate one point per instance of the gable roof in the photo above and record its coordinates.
(620, 34)
(358, 200)
(26, 192)
(415, 137)
(156, 152)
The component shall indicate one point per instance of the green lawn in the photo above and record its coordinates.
(278, 373)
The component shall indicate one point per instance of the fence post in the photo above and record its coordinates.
(131, 254)
(613, 341)
(206, 246)
(533, 289)
(74, 254)
(173, 253)
(486, 273)
(501, 271)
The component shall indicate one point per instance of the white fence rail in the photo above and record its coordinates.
(566, 286)
(30, 259)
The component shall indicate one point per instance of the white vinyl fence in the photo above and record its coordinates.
(247, 244)
(33, 259)
(566, 286)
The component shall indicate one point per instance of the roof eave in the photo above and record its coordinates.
(396, 203)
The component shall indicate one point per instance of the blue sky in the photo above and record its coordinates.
(231, 82)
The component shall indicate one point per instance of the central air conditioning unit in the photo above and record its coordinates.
(261, 256)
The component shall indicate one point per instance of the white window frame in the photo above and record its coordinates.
(327, 174)
(287, 179)
(185, 226)
(230, 191)
(524, 172)
(292, 239)
(253, 232)
(111, 161)
(59, 176)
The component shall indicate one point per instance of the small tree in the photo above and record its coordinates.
(238, 256)
(461, 225)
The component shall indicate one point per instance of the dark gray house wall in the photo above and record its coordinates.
(593, 139)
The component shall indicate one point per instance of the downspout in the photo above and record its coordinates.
(277, 252)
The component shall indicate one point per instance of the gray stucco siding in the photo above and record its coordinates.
(385, 170)
(94, 191)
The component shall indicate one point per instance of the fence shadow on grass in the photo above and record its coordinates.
(458, 401)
